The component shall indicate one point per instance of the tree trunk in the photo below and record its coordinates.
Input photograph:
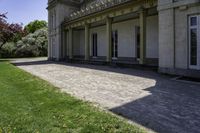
(1, 45)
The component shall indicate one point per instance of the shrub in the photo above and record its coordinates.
(7, 50)
(35, 25)
(33, 45)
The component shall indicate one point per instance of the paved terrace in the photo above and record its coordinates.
(145, 97)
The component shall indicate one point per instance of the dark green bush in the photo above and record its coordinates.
(32, 45)
(7, 50)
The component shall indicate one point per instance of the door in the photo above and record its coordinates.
(194, 42)
(114, 44)
(94, 44)
(137, 42)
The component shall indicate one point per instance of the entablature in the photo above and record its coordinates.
(124, 8)
(74, 3)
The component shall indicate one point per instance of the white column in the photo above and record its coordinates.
(49, 36)
(87, 42)
(109, 39)
(49, 48)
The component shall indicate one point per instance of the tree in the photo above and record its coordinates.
(35, 25)
(9, 32)
(34, 44)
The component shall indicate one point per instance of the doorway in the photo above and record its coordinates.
(137, 42)
(94, 45)
(114, 44)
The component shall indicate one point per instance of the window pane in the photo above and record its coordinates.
(113, 43)
(138, 41)
(116, 44)
(94, 41)
(193, 21)
(96, 45)
(193, 47)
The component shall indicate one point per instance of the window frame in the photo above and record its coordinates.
(197, 27)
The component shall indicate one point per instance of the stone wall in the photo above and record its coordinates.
(173, 35)
(57, 13)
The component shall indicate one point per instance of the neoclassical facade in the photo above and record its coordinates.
(163, 33)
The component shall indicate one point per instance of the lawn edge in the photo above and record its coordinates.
(89, 103)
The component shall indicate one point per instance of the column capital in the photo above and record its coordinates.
(86, 23)
(65, 29)
(109, 18)
(142, 9)
(68, 28)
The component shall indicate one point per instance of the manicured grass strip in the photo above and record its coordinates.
(29, 104)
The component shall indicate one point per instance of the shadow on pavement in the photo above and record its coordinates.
(171, 107)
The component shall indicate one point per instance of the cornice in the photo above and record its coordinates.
(178, 4)
(53, 3)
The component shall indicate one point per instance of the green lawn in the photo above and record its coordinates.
(29, 104)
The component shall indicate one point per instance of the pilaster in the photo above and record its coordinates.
(166, 38)
(70, 43)
(86, 41)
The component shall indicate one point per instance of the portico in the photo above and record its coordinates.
(110, 26)
(144, 32)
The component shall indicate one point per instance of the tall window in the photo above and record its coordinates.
(194, 42)
(94, 44)
(137, 41)
(54, 19)
(115, 44)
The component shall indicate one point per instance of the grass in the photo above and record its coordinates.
(29, 104)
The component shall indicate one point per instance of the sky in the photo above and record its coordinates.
(24, 11)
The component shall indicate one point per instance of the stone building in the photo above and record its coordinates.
(163, 33)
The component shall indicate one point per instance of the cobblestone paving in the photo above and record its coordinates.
(152, 100)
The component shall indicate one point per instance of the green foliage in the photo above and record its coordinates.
(31, 105)
(9, 32)
(8, 50)
(33, 45)
(35, 25)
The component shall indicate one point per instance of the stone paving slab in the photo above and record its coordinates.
(145, 97)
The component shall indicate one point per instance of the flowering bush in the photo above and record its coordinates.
(9, 32)
(33, 45)
(18, 42)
